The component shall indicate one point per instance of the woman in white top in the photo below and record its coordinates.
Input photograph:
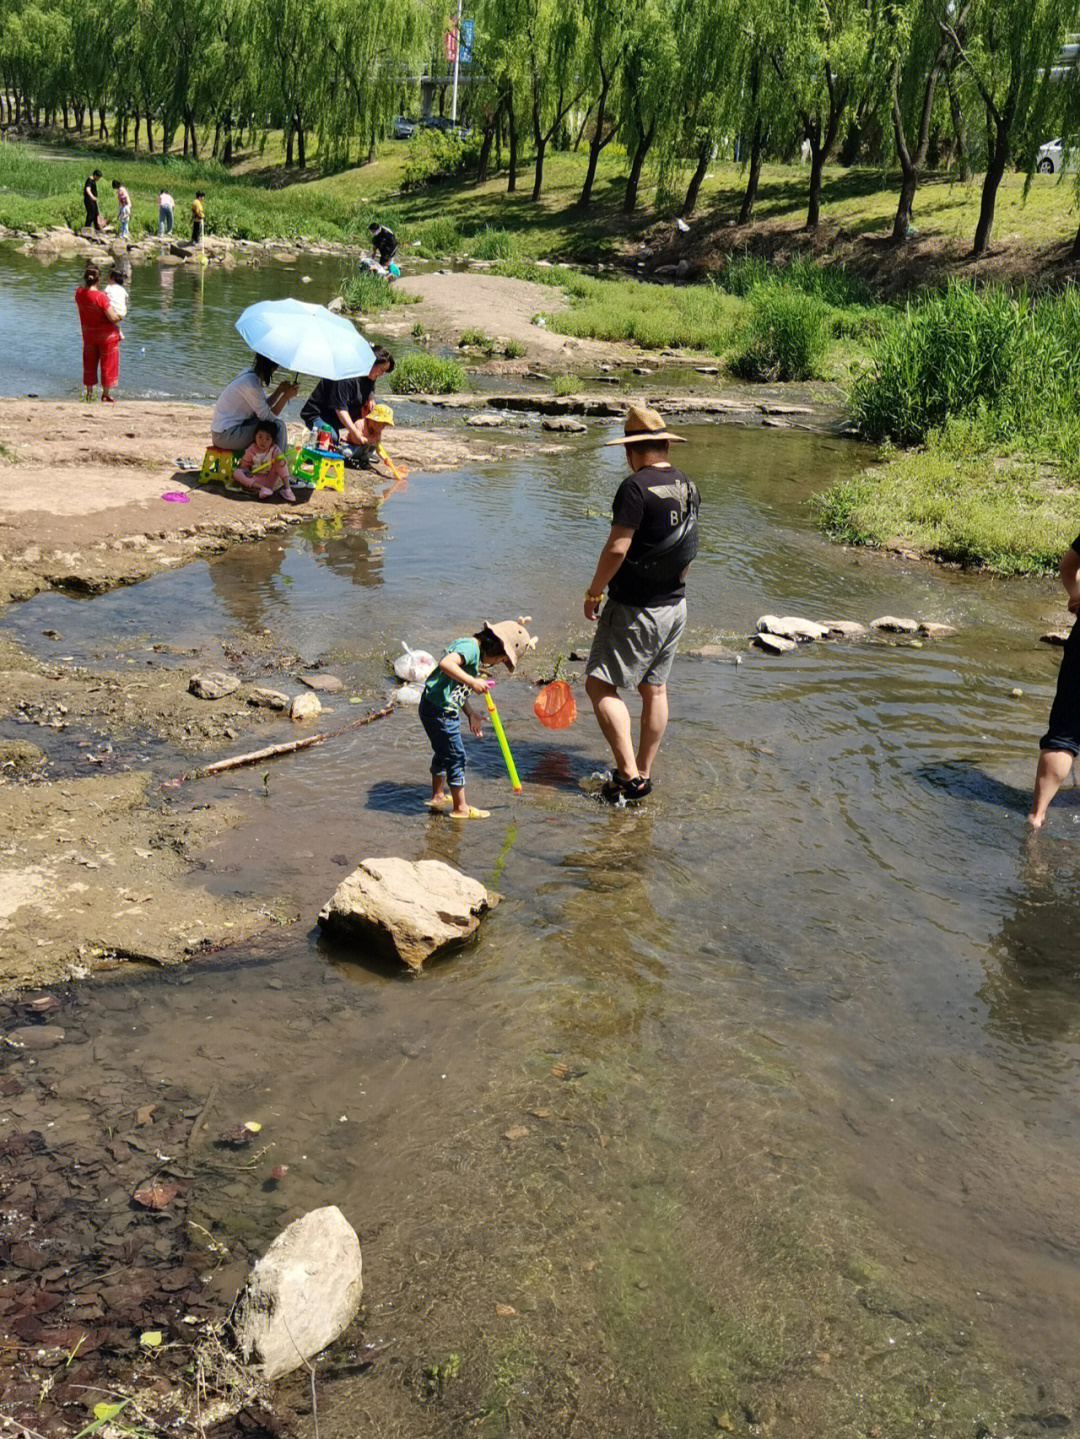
(243, 403)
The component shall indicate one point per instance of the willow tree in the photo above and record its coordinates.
(1009, 50)
(708, 83)
(555, 34)
(647, 77)
(823, 58)
(372, 45)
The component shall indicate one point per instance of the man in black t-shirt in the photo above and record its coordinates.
(1061, 743)
(90, 199)
(383, 242)
(340, 404)
(643, 565)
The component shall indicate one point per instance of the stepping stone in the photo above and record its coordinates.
(791, 627)
(775, 644)
(895, 626)
(844, 629)
(934, 631)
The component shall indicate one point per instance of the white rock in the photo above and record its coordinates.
(893, 625)
(846, 629)
(1054, 637)
(213, 685)
(268, 699)
(302, 1294)
(413, 909)
(791, 627)
(775, 644)
(304, 707)
(934, 631)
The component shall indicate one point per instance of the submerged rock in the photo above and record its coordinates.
(712, 652)
(486, 421)
(37, 1036)
(891, 624)
(413, 909)
(302, 1294)
(775, 644)
(564, 423)
(268, 699)
(791, 627)
(325, 684)
(213, 685)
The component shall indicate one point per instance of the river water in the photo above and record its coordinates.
(794, 1044)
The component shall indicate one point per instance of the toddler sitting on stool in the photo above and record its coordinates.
(263, 468)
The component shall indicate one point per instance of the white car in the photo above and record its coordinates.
(1051, 159)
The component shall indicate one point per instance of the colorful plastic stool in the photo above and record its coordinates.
(323, 469)
(218, 465)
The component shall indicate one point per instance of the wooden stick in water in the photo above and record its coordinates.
(275, 751)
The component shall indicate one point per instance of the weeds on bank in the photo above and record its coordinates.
(785, 336)
(368, 292)
(421, 374)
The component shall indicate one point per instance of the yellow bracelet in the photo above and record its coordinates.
(594, 599)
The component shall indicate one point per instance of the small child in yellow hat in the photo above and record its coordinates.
(375, 421)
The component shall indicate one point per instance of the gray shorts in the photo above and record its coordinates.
(636, 644)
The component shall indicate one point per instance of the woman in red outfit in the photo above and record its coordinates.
(100, 335)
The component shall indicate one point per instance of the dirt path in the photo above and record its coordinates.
(81, 491)
(451, 302)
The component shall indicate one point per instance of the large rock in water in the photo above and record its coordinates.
(413, 909)
(302, 1294)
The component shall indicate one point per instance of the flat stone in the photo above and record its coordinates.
(486, 422)
(325, 684)
(775, 644)
(791, 627)
(213, 685)
(302, 1294)
(413, 909)
(564, 423)
(891, 624)
(268, 699)
(304, 707)
(845, 629)
(37, 1036)
(934, 631)
(1054, 637)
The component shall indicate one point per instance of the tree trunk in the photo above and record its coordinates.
(995, 169)
(485, 146)
(64, 112)
(301, 146)
(704, 156)
(216, 146)
(227, 151)
(1074, 253)
(103, 129)
(289, 141)
(538, 173)
(902, 218)
(813, 207)
(633, 180)
(597, 143)
(511, 183)
(757, 145)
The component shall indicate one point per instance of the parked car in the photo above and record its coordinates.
(445, 125)
(403, 127)
(1051, 159)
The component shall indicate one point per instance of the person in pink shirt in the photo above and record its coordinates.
(263, 468)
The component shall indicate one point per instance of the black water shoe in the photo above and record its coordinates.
(630, 791)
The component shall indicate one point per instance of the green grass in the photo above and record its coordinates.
(1009, 516)
(368, 292)
(420, 374)
(474, 338)
(784, 337)
(566, 384)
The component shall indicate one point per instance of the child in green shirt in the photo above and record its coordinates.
(455, 677)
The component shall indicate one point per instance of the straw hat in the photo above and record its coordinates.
(380, 415)
(644, 424)
(513, 636)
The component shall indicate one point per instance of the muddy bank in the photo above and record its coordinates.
(81, 498)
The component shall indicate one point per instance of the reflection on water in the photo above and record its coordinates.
(791, 1045)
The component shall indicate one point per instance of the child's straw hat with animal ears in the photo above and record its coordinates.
(513, 636)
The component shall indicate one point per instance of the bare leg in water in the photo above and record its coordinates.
(614, 720)
(654, 718)
(1053, 771)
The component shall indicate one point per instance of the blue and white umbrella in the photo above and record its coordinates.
(306, 338)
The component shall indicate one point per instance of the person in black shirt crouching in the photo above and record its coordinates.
(643, 566)
(340, 405)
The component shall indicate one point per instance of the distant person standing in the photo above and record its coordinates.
(1061, 743)
(123, 209)
(90, 200)
(197, 217)
(383, 242)
(165, 206)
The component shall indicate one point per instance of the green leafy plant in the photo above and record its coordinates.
(565, 385)
(421, 374)
(493, 244)
(513, 349)
(475, 339)
(785, 337)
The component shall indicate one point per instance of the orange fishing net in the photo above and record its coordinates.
(554, 706)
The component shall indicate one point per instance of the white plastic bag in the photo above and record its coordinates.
(408, 695)
(413, 666)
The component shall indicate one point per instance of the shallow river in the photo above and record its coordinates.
(795, 1044)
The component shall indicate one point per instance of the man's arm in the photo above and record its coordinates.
(1069, 570)
(611, 557)
(346, 426)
